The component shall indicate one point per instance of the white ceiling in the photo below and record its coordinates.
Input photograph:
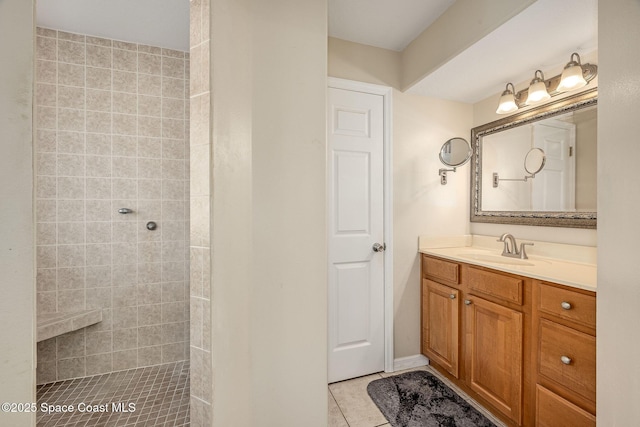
(543, 36)
(390, 24)
(162, 23)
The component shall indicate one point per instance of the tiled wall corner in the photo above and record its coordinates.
(112, 132)
(200, 248)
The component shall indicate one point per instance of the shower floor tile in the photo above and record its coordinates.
(151, 396)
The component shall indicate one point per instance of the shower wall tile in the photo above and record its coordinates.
(198, 131)
(112, 122)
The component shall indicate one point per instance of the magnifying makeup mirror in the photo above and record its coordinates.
(534, 162)
(454, 153)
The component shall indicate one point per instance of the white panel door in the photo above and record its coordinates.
(356, 218)
(553, 189)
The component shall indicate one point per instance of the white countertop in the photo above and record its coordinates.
(570, 270)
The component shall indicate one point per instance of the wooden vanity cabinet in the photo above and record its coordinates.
(564, 322)
(494, 348)
(523, 348)
(440, 313)
(440, 325)
(473, 331)
(494, 338)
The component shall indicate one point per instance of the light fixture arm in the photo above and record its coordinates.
(536, 78)
(507, 90)
(517, 96)
(572, 62)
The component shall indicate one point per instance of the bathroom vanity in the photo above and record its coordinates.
(518, 335)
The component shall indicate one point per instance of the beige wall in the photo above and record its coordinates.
(268, 155)
(17, 283)
(618, 349)
(354, 61)
(289, 295)
(421, 205)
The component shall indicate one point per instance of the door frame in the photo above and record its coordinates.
(385, 92)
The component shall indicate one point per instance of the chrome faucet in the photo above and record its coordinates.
(511, 247)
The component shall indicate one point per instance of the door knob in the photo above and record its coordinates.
(377, 247)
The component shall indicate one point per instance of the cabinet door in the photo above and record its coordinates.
(494, 354)
(440, 325)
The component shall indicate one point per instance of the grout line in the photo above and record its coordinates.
(339, 408)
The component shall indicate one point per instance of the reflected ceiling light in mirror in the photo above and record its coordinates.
(537, 89)
(574, 76)
(507, 100)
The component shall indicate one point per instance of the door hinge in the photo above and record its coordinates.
(570, 151)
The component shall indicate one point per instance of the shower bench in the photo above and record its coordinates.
(53, 324)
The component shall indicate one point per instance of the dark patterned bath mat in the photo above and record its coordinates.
(419, 399)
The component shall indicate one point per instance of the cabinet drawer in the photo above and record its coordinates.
(441, 269)
(568, 357)
(496, 285)
(569, 305)
(554, 411)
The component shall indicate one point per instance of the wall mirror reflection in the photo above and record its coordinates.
(563, 138)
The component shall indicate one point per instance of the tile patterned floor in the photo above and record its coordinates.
(351, 406)
(160, 395)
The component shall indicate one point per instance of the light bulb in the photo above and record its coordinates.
(572, 77)
(507, 102)
(537, 89)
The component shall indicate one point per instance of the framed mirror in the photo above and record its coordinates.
(562, 136)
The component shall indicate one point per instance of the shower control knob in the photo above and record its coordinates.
(151, 225)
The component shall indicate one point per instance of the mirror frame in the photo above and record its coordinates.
(539, 218)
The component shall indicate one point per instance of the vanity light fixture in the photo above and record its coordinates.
(537, 89)
(574, 76)
(507, 101)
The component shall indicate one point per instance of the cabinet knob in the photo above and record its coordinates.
(467, 302)
(565, 305)
(566, 360)
(452, 296)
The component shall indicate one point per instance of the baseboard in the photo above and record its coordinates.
(409, 362)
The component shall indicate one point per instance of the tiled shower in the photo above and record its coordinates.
(112, 132)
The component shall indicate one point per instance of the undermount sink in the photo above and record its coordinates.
(497, 259)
